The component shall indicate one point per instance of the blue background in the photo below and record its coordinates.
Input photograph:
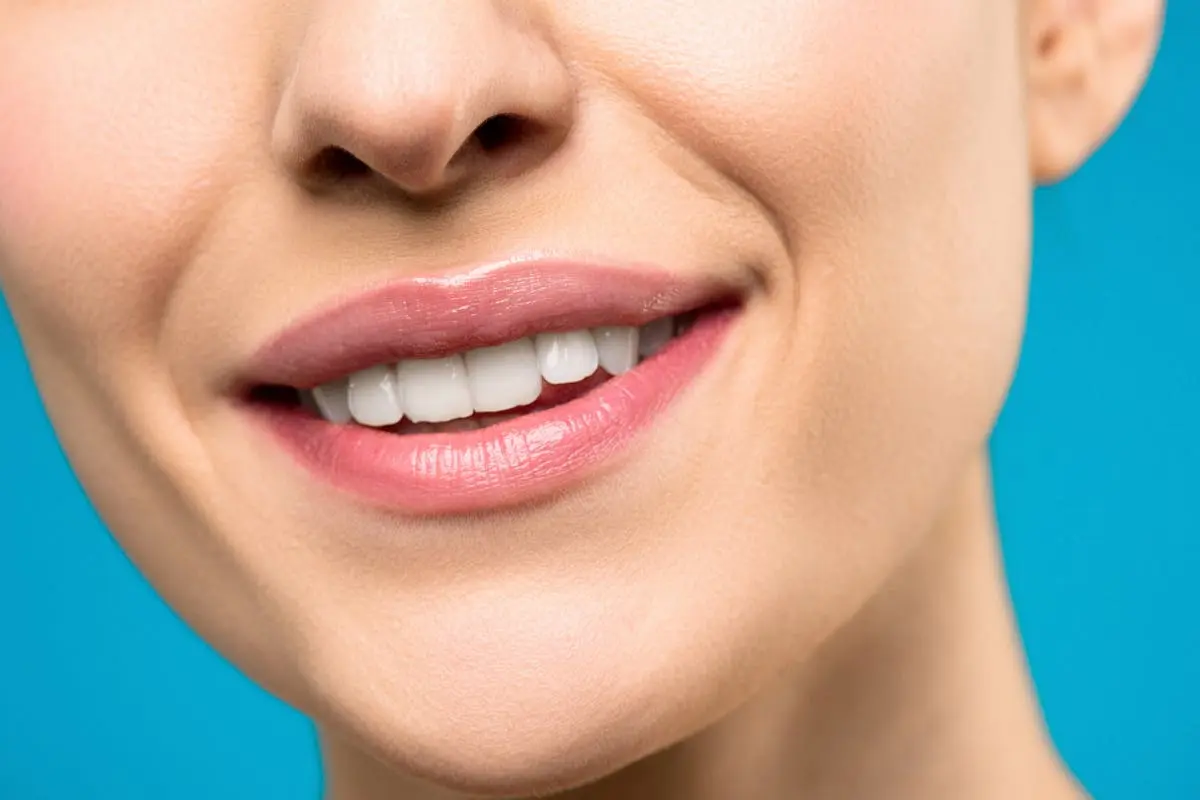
(105, 694)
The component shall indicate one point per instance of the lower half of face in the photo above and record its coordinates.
(851, 176)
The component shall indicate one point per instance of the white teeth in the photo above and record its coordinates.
(486, 380)
(566, 357)
(333, 401)
(617, 347)
(435, 389)
(503, 377)
(374, 397)
(654, 335)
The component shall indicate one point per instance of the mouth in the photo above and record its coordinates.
(487, 389)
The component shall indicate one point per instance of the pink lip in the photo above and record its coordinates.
(434, 316)
(522, 460)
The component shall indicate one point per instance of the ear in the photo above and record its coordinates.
(1087, 62)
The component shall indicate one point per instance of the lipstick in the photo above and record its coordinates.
(529, 456)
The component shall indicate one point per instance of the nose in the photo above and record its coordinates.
(426, 94)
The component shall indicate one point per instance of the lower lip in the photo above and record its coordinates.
(521, 461)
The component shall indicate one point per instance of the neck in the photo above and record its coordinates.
(924, 694)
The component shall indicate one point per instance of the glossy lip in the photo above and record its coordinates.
(523, 460)
(433, 316)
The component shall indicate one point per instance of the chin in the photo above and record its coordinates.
(523, 700)
(507, 735)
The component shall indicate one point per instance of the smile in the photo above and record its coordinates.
(486, 389)
(487, 385)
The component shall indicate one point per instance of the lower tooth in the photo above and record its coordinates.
(453, 426)
(497, 419)
(458, 425)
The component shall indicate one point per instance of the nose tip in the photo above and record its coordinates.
(426, 96)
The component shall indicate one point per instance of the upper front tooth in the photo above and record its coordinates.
(333, 401)
(435, 389)
(618, 348)
(566, 357)
(503, 377)
(374, 397)
(654, 336)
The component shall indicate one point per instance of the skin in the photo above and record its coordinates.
(819, 612)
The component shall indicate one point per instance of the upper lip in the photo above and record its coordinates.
(435, 315)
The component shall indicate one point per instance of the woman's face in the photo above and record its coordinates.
(181, 182)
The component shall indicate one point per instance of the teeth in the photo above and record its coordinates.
(617, 347)
(374, 397)
(453, 426)
(435, 389)
(499, 418)
(487, 380)
(566, 357)
(654, 335)
(503, 377)
(333, 401)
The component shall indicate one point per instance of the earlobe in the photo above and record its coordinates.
(1087, 61)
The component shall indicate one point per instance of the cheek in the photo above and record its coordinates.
(109, 169)
(797, 98)
(887, 146)
(887, 143)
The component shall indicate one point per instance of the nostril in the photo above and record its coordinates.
(335, 163)
(502, 137)
(502, 130)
